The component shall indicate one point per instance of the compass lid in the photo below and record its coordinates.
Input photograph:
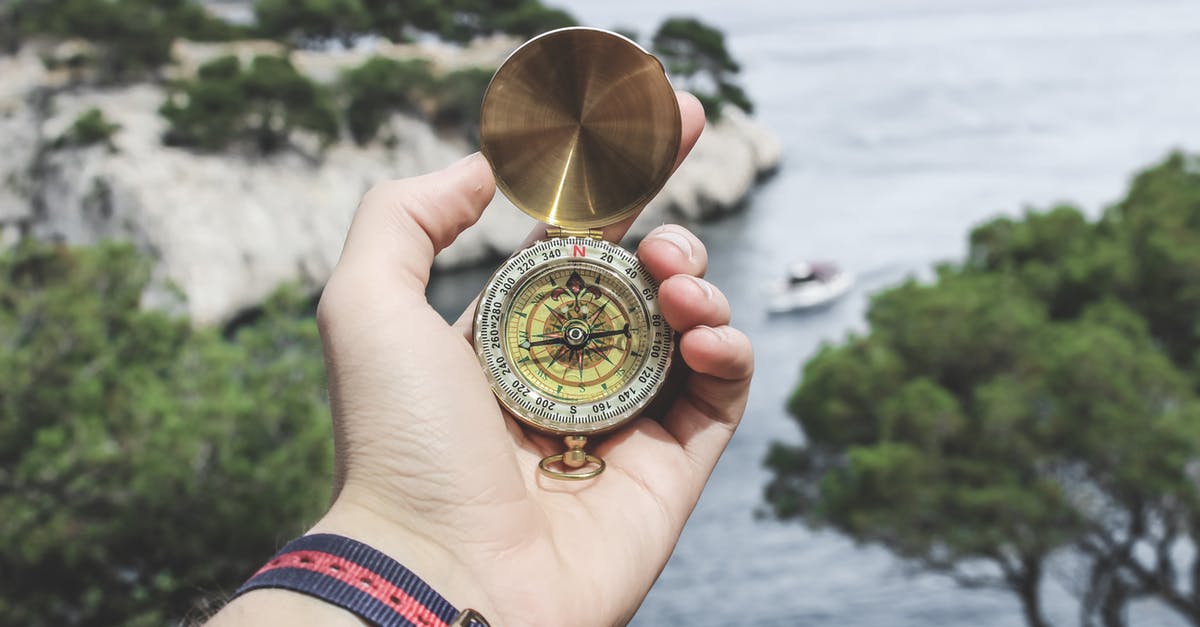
(581, 127)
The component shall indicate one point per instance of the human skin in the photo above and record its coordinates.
(432, 471)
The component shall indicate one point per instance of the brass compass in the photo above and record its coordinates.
(581, 128)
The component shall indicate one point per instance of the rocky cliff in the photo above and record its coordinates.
(227, 228)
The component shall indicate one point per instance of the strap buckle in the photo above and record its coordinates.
(469, 618)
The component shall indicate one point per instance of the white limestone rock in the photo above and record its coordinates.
(228, 228)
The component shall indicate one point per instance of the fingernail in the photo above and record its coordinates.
(677, 239)
(463, 162)
(463, 168)
(704, 286)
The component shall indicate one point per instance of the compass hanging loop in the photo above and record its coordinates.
(574, 458)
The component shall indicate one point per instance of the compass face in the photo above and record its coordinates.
(570, 335)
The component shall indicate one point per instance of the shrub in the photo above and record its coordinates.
(145, 465)
(379, 87)
(91, 127)
(263, 104)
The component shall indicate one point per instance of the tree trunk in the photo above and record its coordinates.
(1027, 584)
(1112, 611)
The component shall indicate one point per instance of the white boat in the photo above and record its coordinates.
(808, 286)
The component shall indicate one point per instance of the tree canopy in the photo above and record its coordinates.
(133, 37)
(312, 22)
(1038, 398)
(145, 466)
(696, 53)
(263, 104)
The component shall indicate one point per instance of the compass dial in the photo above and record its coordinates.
(571, 337)
(573, 334)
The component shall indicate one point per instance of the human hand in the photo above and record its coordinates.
(430, 469)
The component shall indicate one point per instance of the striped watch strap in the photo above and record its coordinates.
(356, 577)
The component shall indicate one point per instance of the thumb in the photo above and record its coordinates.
(400, 225)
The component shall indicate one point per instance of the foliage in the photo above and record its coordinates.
(144, 465)
(458, 97)
(263, 104)
(529, 18)
(134, 36)
(696, 52)
(379, 87)
(313, 22)
(91, 127)
(1040, 397)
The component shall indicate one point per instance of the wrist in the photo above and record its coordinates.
(356, 516)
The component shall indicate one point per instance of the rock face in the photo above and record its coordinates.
(227, 228)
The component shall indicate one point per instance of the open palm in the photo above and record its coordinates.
(432, 471)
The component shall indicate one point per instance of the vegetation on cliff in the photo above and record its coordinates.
(1039, 399)
(90, 128)
(261, 104)
(226, 105)
(315, 22)
(132, 38)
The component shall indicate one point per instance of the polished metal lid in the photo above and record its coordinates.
(581, 127)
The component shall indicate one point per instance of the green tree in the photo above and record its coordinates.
(1040, 397)
(696, 52)
(397, 19)
(145, 466)
(458, 97)
(531, 18)
(262, 104)
(379, 87)
(310, 22)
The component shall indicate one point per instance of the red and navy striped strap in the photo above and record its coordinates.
(354, 576)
